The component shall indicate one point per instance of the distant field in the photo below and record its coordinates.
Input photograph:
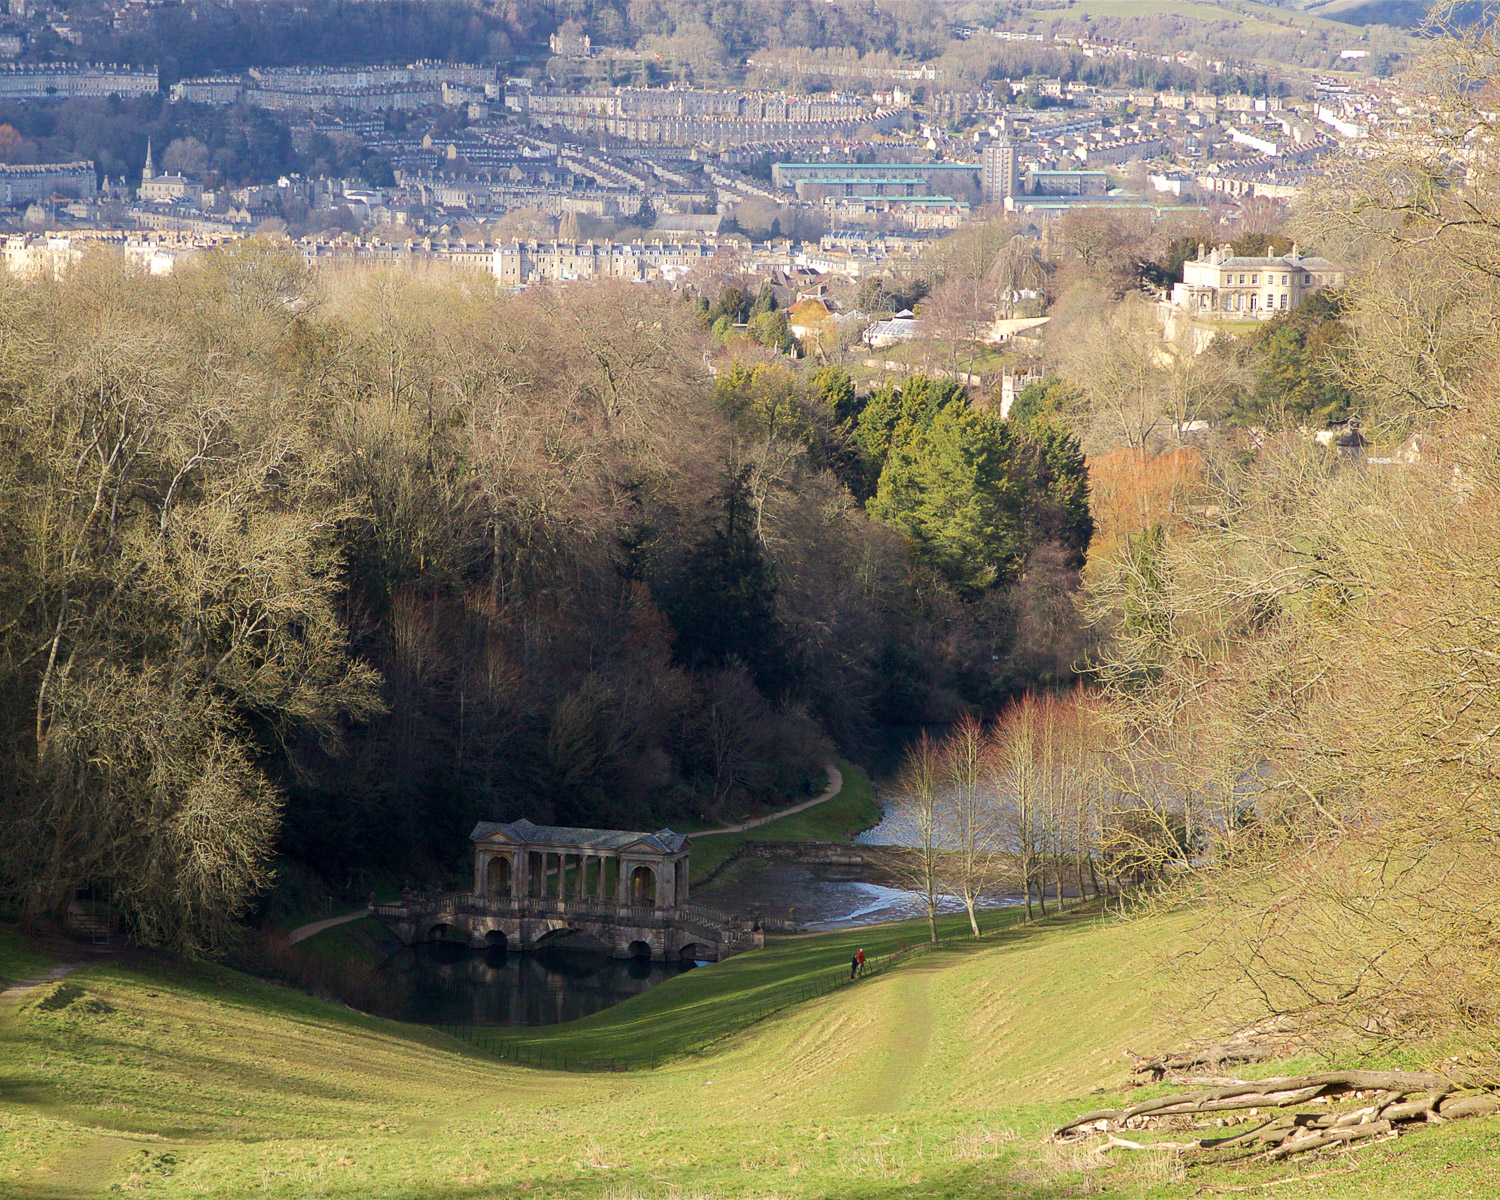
(1250, 14)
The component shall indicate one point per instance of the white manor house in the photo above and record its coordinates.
(1221, 285)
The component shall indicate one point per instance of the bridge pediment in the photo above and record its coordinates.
(661, 844)
(647, 848)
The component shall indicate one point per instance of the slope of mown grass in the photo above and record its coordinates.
(713, 1001)
(938, 1079)
(836, 819)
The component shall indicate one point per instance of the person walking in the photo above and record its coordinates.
(859, 962)
(854, 967)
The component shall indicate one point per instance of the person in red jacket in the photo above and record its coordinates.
(859, 962)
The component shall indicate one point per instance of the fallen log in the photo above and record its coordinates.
(1387, 1101)
(1269, 1093)
(1223, 1054)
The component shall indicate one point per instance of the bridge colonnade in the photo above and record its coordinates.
(602, 876)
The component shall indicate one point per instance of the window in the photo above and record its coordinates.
(1242, 279)
(1283, 281)
(1283, 300)
(1254, 280)
(1252, 303)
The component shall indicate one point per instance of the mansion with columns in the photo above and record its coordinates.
(519, 861)
(1220, 285)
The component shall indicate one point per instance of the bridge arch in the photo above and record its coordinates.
(638, 949)
(643, 886)
(692, 952)
(497, 877)
(444, 932)
(495, 939)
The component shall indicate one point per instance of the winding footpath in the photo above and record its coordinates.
(835, 786)
(30, 985)
(303, 932)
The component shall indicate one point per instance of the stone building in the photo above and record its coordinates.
(1222, 285)
(23, 183)
(519, 860)
(69, 80)
(169, 187)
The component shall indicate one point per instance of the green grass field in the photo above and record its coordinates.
(838, 819)
(937, 1079)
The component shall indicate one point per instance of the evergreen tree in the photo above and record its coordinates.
(765, 301)
(1049, 464)
(834, 389)
(1297, 357)
(725, 608)
(891, 418)
(950, 490)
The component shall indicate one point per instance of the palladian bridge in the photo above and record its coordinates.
(624, 893)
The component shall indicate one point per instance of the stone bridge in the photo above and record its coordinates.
(662, 933)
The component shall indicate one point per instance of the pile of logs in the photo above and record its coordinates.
(1345, 1107)
(1258, 1043)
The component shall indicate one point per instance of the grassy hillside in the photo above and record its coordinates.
(938, 1079)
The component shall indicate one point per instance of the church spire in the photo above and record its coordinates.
(148, 172)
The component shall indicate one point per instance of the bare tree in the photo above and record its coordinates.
(921, 782)
(975, 845)
(1015, 780)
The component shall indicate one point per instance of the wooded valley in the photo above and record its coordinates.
(327, 568)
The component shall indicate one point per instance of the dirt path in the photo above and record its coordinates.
(835, 786)
(899, 1057)
(303, 932)
(84, 1170)
(28, 985)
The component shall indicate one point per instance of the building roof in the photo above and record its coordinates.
(524, 832)
(689, 223)
(1286, 260)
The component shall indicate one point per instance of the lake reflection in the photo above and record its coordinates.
(449, 984)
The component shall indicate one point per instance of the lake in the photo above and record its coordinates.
(444, 983)
(819, 898)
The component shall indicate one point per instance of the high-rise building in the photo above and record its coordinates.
(1002, 170)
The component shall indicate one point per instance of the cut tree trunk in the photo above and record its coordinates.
(1386, 1103)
